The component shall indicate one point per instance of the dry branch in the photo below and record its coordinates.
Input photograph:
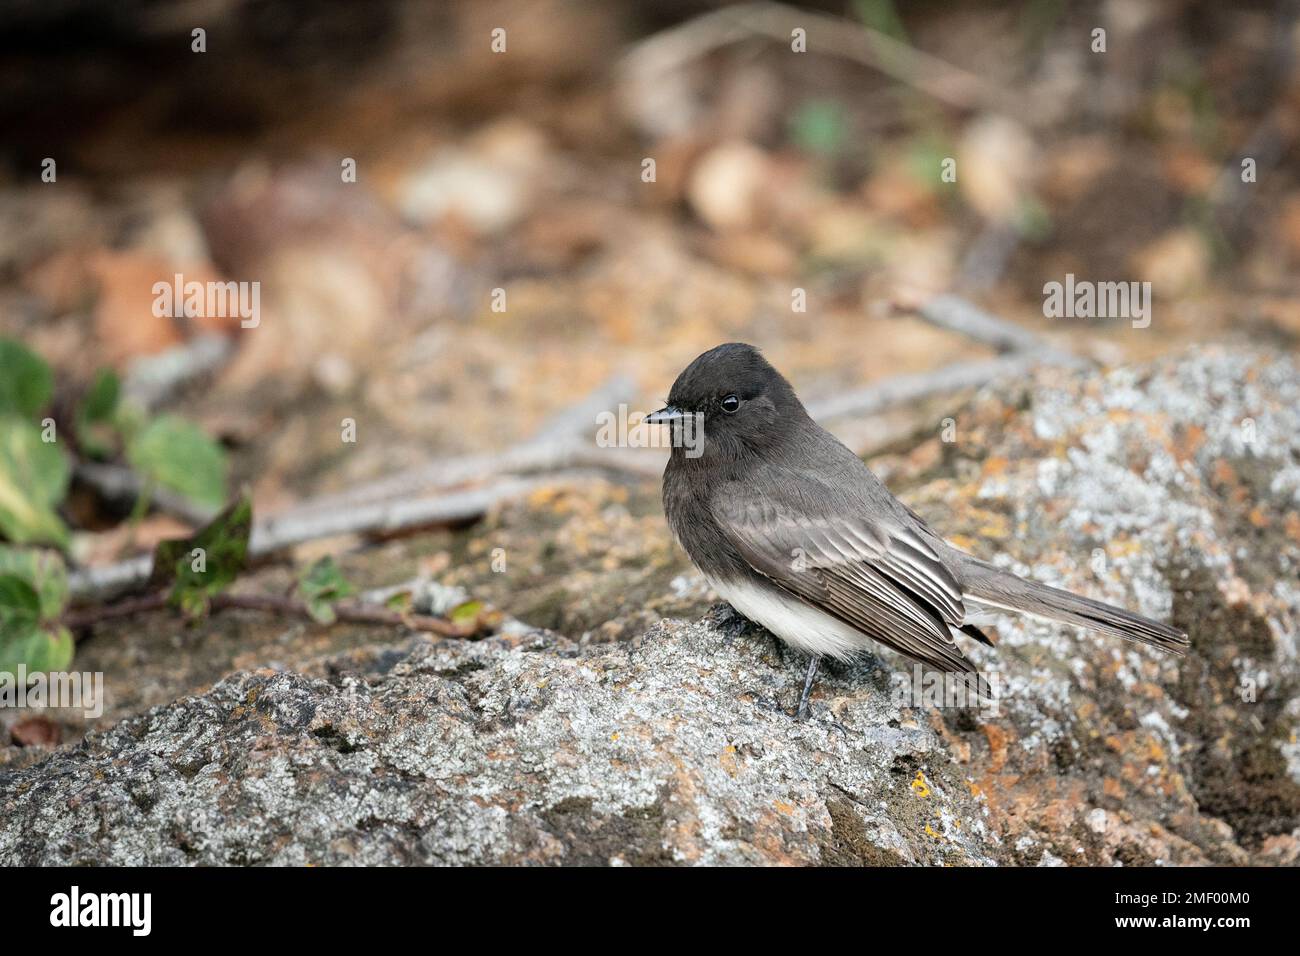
(402, 502)
(294, 527)
(153, 379)
(349, 611)
(677, 46)
(560, 443)
(121, 485)
(560, 447)
(903, 389)
(958, 315)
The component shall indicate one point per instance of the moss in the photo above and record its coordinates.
(848, 844)
(1247, 490)
(1238, 771)
(1130, 854)
(636, 836)
(333, 738)
(548, 610)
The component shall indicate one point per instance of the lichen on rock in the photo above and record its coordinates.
(1170, 488)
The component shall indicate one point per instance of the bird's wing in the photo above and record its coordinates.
(874, 574)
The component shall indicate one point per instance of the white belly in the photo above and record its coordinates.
(798, 624)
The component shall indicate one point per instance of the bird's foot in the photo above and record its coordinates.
(802, 712)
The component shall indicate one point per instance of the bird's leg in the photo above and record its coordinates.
(802, 712)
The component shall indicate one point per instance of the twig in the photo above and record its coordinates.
(560, 443)
(149, 382)
(1022, 351)
(958, 315)
(153, 379)
(986, 259)
(346, 611)
(578, 420)
(1267, 142)
(351, 612)
(902, 389)
(355, 511)
(123, 486)
(294, 527)
(77, 620)
(672, 49)
(91, 583)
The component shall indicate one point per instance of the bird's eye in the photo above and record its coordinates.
(730, 403)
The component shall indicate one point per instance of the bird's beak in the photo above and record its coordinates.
(664, 416)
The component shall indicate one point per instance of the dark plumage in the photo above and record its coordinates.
(792, 528)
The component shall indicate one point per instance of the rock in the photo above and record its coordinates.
(675, 748)
(998, 162)
(1175, 263)
(489, 184)
(1172, 488)
(726, 187)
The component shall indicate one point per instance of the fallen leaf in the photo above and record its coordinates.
(35, 732)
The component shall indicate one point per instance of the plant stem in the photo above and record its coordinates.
(351, 612)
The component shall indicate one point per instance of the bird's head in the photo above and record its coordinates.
(728, 403)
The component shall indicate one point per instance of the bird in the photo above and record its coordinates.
(797, 534)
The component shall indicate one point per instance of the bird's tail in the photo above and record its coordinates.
(992, 587)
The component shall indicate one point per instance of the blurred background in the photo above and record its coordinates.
(524, 170)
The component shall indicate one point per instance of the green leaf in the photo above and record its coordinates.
(39, 649)
(129, 419)
(33, 480)
(176, 455)
(818, 126)
(44, 571)
(324, 577)
(23, 639)
(26, 382)
(18, 645)
(95, 415)
(100, 400)
(20, 605)
(207, 562)
(882, 16)
(44, 649)
(923, 159)
(321, 585)
(55, 652)
(322, 612)
(1033, 219)
(469, 611)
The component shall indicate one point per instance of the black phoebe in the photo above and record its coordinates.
(793, 530)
